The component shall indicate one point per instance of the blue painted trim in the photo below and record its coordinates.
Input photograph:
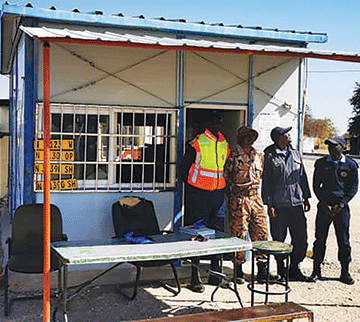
(167, 26)
(29, 126)
(251, 90)
(180, 95)
(11, 145)
(301, 107)
(215, 103)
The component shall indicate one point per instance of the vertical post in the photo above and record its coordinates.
(46, 219)
(251, 91)
(301, 105)
(180, 79)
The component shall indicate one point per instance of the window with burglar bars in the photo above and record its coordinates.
(105, 148)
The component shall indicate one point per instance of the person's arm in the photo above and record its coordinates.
(317, 181)
(304, 184)
(186, 162)
(228, 169)
(266, 189)
(352, 187)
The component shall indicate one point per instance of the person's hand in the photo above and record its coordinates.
(272, 212)
(336, 209)
(307, 205)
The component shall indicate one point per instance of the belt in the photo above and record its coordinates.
(248, 192)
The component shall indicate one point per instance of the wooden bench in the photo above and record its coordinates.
(269, 312)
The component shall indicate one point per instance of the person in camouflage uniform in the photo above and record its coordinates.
(245, 207)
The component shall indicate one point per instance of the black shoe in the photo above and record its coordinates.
(295, 275)
(240, 275)
(346, 278)
(314, 277)
(214, 280)
(197, 288)
(272, 278)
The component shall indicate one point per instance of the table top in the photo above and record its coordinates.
(164, 247)
(272, 246)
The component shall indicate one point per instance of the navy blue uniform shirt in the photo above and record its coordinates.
(335, 182)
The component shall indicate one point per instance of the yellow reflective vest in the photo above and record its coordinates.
(207, 172)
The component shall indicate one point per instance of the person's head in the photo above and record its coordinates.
(246, 136)
(281, 136)
(213, 124)
(336, 146)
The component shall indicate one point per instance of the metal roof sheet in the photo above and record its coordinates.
(135, 40)
(163, 24)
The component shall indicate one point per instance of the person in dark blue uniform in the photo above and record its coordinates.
(335, 183)
(285, 190)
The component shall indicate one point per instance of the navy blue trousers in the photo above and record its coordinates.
(202, 204)
(292, 218)
(341, 224)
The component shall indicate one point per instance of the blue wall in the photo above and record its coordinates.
(88, 215)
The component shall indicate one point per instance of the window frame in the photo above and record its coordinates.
(168, 139)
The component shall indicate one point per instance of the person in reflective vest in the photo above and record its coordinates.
(202, 168)
(207, 171)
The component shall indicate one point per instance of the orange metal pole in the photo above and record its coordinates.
(46, 219)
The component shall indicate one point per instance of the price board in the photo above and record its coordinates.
(65, 144)
(56, 156)
(66, 184)
(55, 168)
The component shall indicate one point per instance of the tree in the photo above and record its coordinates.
(354, 121)
(318, 128)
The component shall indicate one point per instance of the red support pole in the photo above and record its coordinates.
(46, 219)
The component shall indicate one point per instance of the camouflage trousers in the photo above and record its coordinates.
(247, 215)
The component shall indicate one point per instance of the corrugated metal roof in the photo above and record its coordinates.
(134, 40)
(167, 25)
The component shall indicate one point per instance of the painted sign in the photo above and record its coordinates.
(56, 156)
(66, 184)
(55, 168)
(64, 144)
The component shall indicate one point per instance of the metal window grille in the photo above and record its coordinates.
(115, 148)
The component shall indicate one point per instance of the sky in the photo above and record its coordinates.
(331, 84)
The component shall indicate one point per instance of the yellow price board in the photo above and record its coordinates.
(55, 168)
(56, 156)
(67, 184)
(67, 144)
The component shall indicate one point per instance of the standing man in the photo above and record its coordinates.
(202, 168)
(285, 190)
(335, 183)
(246, 211)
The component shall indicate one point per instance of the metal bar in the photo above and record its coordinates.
(47, 223)
(337, 57)
(180, 97)
(251, 90)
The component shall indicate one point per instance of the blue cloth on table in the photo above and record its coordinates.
(130, 239)
(199, 224)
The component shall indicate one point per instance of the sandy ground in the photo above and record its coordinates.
(330, 300)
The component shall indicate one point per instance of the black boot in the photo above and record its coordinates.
(215, 266)
(296, 275)
(345, 276)
(240, 275)
(281, 269)
(262, 273)
(316, 273)
(196, 283)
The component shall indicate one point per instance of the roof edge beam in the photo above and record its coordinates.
(332, 56)
(167, 26)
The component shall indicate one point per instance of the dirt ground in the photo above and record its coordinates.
(330, 300)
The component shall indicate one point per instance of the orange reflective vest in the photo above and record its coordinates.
(207, 172)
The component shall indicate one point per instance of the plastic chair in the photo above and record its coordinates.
(138, 215)
(26, 244)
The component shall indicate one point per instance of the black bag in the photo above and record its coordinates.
(134, 214)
